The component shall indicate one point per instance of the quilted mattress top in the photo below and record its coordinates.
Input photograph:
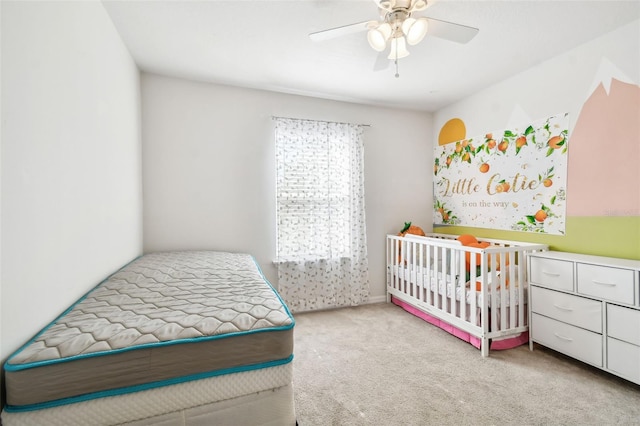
(162, 297)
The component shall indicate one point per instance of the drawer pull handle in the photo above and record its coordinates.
(568, 339)
(552, 274)
(563, 308)
(604, 283)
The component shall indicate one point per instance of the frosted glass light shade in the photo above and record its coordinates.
(418, 5)
(398, 48)
(406, 25)
(377, 37)
(415, 30)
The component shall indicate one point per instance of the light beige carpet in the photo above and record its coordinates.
(379, 365)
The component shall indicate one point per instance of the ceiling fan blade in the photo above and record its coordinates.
(341, 31)
(450, 31)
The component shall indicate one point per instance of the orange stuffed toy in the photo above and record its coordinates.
(409, 229)
(471, 241)
(466, 239)
(467, 255)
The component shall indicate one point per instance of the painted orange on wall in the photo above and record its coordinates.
(452, 131)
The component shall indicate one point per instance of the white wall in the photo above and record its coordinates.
(71, 160)
(209, 168)
(561, 84)
(1, 121)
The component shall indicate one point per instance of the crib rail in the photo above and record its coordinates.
(481, 291)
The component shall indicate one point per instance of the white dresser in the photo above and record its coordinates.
(587, 307)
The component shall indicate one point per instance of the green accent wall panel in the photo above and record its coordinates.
(612, 236)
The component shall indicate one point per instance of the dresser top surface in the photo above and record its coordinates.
(587, 258)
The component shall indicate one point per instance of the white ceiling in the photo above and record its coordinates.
(264, 44)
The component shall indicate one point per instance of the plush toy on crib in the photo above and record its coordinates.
(408, 229)
(471, 241)
(411, 229)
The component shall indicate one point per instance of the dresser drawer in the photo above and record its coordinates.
(575, 310)
(604, 282)
(552, 273)
(623, 324)
(573, 341)
(624, 359)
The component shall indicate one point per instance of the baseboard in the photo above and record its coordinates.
(370, 301)
(377, 299)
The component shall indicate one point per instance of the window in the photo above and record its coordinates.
(319, 200)
(313, 193)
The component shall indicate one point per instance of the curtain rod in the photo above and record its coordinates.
(274, 117)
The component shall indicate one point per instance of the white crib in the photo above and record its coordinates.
(479, 292)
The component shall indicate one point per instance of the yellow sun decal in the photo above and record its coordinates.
(452, 131)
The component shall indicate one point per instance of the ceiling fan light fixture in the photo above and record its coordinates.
(415, 30)
(378, 37)
(398, 48)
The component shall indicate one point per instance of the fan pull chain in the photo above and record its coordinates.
(396, 61)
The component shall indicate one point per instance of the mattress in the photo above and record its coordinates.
(165, 318)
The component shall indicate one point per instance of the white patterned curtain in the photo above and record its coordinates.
(321, 235)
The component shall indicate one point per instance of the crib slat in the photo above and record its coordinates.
(522, 283)
(485, 321)
(436, 278)
(414, 275)
(473, 294)
(442, 282)
(396, 266)
(462, 282)
(494, 290)
(421, 273)
(453, 257)
(401, 274)
(429, 274)
(504, 291)
(514, 291)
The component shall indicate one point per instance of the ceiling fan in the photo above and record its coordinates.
(398, 27)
